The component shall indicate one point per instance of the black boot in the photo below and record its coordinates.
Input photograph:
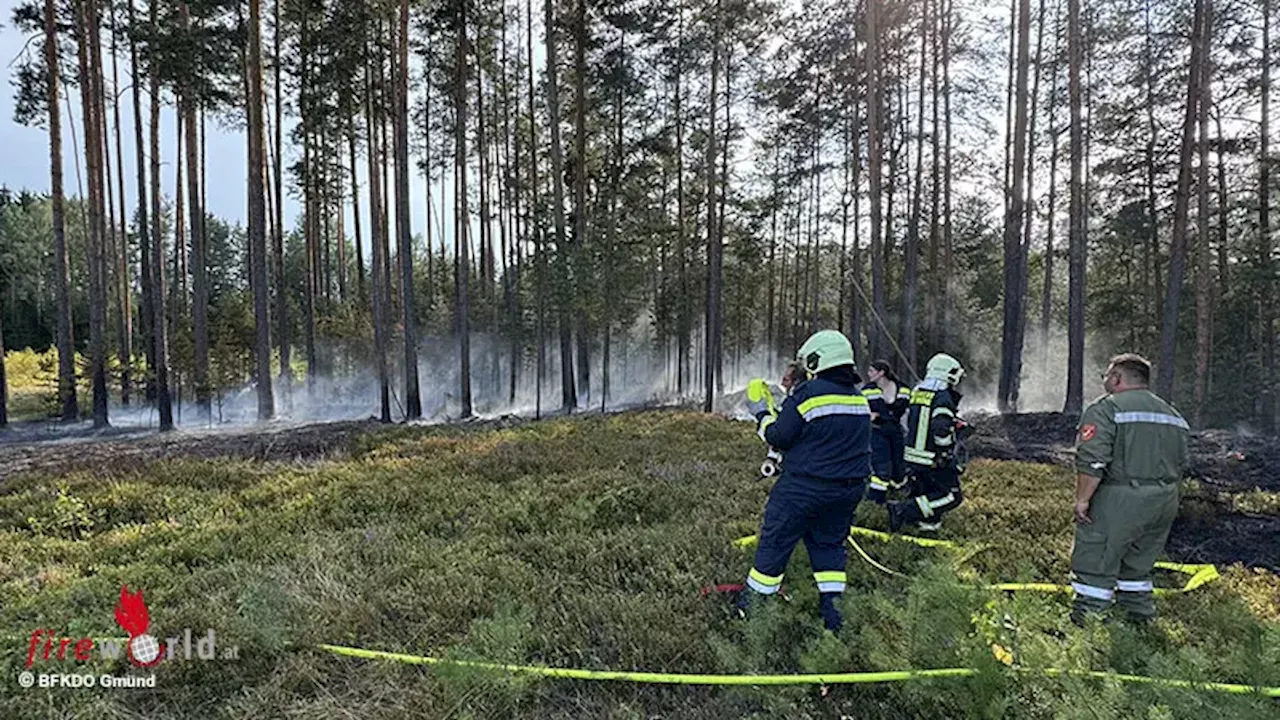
(897, 516)
(830, 613)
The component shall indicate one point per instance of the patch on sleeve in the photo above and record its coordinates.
(1087, 432)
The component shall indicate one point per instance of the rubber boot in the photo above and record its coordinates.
(830, 613)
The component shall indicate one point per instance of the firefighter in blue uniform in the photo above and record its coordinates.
(824, 429)
(888, 400)
(930, 453)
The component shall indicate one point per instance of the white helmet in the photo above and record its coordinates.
(946, 368)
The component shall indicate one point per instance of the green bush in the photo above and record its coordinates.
(580, 543)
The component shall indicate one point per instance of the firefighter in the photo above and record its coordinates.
(824, 427)
(888, 400)
(931, 444)
(1130, 456)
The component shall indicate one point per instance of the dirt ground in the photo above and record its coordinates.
(1209, 529)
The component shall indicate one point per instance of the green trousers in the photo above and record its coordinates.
(1112, 557)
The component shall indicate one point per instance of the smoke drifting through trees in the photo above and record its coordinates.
(684, 193)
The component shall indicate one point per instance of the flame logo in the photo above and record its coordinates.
(133, 618)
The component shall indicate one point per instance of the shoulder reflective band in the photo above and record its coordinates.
(823, 405)
(811, 679)
(1152, 418)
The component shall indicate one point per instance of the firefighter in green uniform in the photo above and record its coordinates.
(1131, 452)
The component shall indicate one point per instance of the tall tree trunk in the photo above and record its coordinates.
(875, 168)
(909, 279)
(1267, 405)
(614, 193)
(1224, 270)
(142, 226)
(1009, 101)
(1166, 372)
(285, 383)
(179, 288)
(1204, 278)
(413, 401)
(159, 327)
(355, 209)
(199, 264)
(935, 188)
(1011, 352)
(61, 266)
(715, 249)
(257, 215)
(1046, 297)
(1024, 296)
(947, 335)
(578, 265)
(90, 105)
(308, 202)
(684, 320)
(377, 278)
(1075, 325)
(1153, 219)
(124, 305)
(535, 222)
(568, 395)
(510, 180)
(462, 216)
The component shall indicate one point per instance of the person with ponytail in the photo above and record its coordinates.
(888, 399)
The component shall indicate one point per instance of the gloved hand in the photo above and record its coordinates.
(760, 399)
(963, 429)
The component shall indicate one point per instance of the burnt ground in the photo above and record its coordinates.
(1210, 527)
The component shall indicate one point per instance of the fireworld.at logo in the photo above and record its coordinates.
(141, 648)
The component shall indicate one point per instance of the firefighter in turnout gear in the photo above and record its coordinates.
(931, 445)
(889, 400)
(824, 429)
(1130, 457)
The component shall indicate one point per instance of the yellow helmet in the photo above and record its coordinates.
(944, 367)
(824, 350)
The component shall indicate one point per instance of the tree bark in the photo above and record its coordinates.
(61, 266)
(199, 263)
(121, 259)
(377, 279)
(1267, 406)
(715, 248)
(257, 215)
(935, 272)
(1153, 219)
(578, 265)
(90, 106)
(1011, 354)
(535, 222)
(875, 161)
(1167, 369)
(1204, 278)
(1076, 237)
(568, 395)
(1046, 298)
(159, 327)
(947, 238)
(285, 383)
(462, 216)
(413, 401)
(909, 279)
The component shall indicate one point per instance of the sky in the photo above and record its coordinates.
(24, 159)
